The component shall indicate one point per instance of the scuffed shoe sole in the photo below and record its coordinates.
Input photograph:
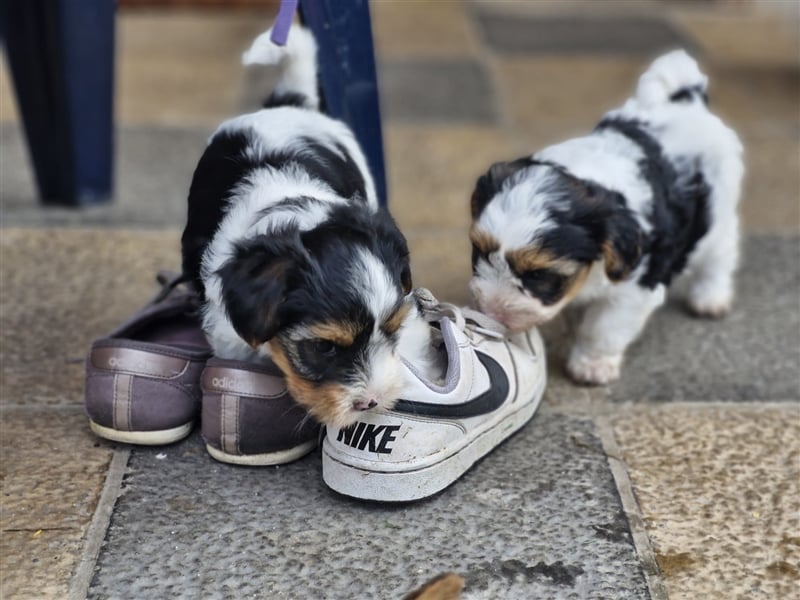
(415, 484)
(263, 460)
(143, 438)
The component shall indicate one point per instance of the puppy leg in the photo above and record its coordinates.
(713, 263)
(606, 330)
(710, 291)
(711, 267)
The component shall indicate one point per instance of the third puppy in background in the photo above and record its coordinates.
(607, 221)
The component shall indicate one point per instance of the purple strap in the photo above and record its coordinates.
(283, 22)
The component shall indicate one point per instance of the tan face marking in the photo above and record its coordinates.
(393, 323)
(616, 268)
(323, 401)
(576, 282)
(532, 258)
(341, 333)
(483, 241)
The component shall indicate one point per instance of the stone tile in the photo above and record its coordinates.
(172, 91)
(537, 518)
(719, 490)
(38, 566)
(550, 99)
(419, 29)
(433, 170)
(743, 38)
(771, 195)
(773, 109)
(753, 354)
(53, 469)
(52, 472)
(585, 34)
(182, 67)
(61, 289)
(440, 261)
(447, 91)
(153, 172)
(561, 8)
(553, 98)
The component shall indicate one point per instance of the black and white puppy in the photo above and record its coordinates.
(606, 221)
(296, 261)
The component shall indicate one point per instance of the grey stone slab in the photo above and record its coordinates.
(434, 90)
(537, 518)
(153, 171)
(555, 34)
(751, 355)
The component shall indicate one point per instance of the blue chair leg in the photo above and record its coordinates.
(61, 58)
(347, 74)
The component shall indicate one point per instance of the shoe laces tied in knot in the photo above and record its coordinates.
(468, 320)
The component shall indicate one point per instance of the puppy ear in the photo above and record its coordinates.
(610, 223)
(624, 239)
(256, 280)
(393, 247)
(489, 184)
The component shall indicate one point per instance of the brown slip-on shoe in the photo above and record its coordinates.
(143, 379)
(249, 418)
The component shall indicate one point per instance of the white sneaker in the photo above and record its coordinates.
(433, 435)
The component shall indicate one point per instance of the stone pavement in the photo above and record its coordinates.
(682, 480)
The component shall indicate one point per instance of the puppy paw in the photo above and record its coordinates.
(594, 370)
(709, 306)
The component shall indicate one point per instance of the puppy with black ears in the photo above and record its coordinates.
(607, 221)
(295, 261)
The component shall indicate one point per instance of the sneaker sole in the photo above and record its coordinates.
(142, 438)
(263, 460)
(415, 484)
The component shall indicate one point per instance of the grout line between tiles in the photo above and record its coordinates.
(641, 540)
(82, 579)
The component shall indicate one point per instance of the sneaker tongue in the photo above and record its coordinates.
(449, 350)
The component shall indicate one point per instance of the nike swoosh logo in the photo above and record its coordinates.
(486, 402)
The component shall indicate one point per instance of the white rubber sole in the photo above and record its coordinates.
(143, 438)
(263, 460)
(415, 484)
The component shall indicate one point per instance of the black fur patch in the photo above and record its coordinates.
(591, 217)
(680, 213)
(294, 206)
(277, 99)
(490, 184)
(545, 284)
(224, 164)
(335, 167)
(289, 278)
(689, 93)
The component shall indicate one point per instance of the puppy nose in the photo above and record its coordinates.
(365, 404)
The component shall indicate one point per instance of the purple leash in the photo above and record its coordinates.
(283, 22)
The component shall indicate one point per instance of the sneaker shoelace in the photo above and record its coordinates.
(468, 320)
(170, 282)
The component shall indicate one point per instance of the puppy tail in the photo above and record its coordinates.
(672, 78)
(297, 85)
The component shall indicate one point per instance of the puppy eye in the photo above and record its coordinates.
(324, 347)
(543, 283)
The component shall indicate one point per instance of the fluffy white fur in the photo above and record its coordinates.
(616, 312)
(272, 131)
